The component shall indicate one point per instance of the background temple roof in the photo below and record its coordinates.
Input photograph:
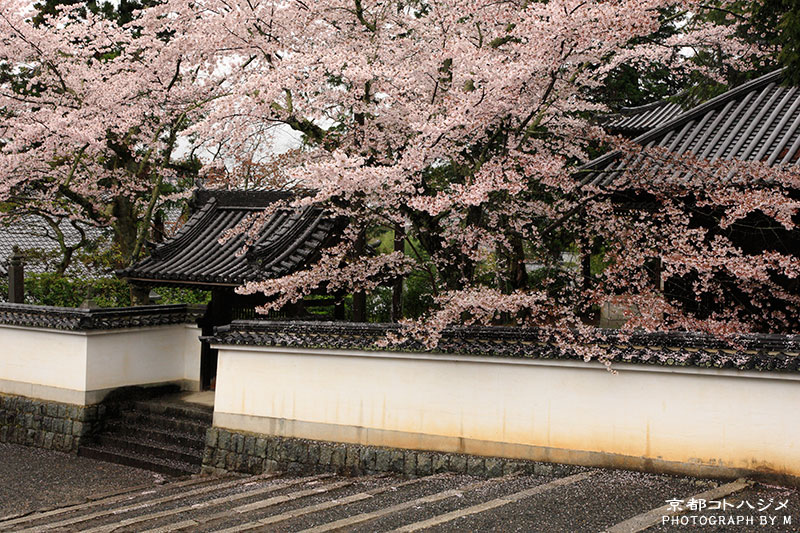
(633, 121)
(33, 234)
(288, 240)
(757, 121)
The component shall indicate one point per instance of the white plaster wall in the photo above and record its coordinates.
(117, 358)
(41, 363)
(191, 357)
(81, 367)
(514, 407)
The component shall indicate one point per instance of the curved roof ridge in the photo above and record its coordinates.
(681, 120)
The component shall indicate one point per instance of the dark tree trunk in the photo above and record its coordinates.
(397, 286)
(125, 229)
(360, 297)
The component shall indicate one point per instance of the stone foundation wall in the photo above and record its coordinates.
(230, 451)
(45, 424)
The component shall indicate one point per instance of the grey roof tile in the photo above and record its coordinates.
(759, 352)
(289, 239)
(757, 121)
(32, 233)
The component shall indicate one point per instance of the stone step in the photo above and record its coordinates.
(195, 412)
(154, 448)
(138, 460)
(170, 423)
(178, 438)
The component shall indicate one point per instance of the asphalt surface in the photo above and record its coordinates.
(79, 494)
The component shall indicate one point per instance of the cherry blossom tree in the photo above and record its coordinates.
(459, 125)
(91, 116)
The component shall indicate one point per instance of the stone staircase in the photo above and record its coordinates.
(164, 435)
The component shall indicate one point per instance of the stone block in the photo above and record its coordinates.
(300, 451)
(238, 443)
(261, 448)
(230, 461)
(211, 437)
(494, 467)
(67, 426)
(240, 462)
(62, 411)
(283, 451)
(208, 456)
(249, 445)
(72, 412)
(458, 464)
(296, 469)
(3, 433)
(339, 457)
(352, 457)
(440, 463)
(313, 453)
(271, 465)
(325, 454)
(224, 442)
(77, 428)
(476, 466)
(48, 440)
(424, 464)
(410, 463)
(255, 465)
(542, 469)
(383, 459)
(512, 467)
(369, 457)
(219, 458)
(272, 448)
(396, 461)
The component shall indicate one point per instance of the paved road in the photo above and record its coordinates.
(583, 500)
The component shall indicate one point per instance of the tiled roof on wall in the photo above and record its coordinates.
(290, 239)
(776, 353)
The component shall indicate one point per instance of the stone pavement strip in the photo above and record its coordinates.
(576, 500)
(492, 504)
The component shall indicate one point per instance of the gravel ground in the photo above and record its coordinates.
(38, 479)
(33, 478)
